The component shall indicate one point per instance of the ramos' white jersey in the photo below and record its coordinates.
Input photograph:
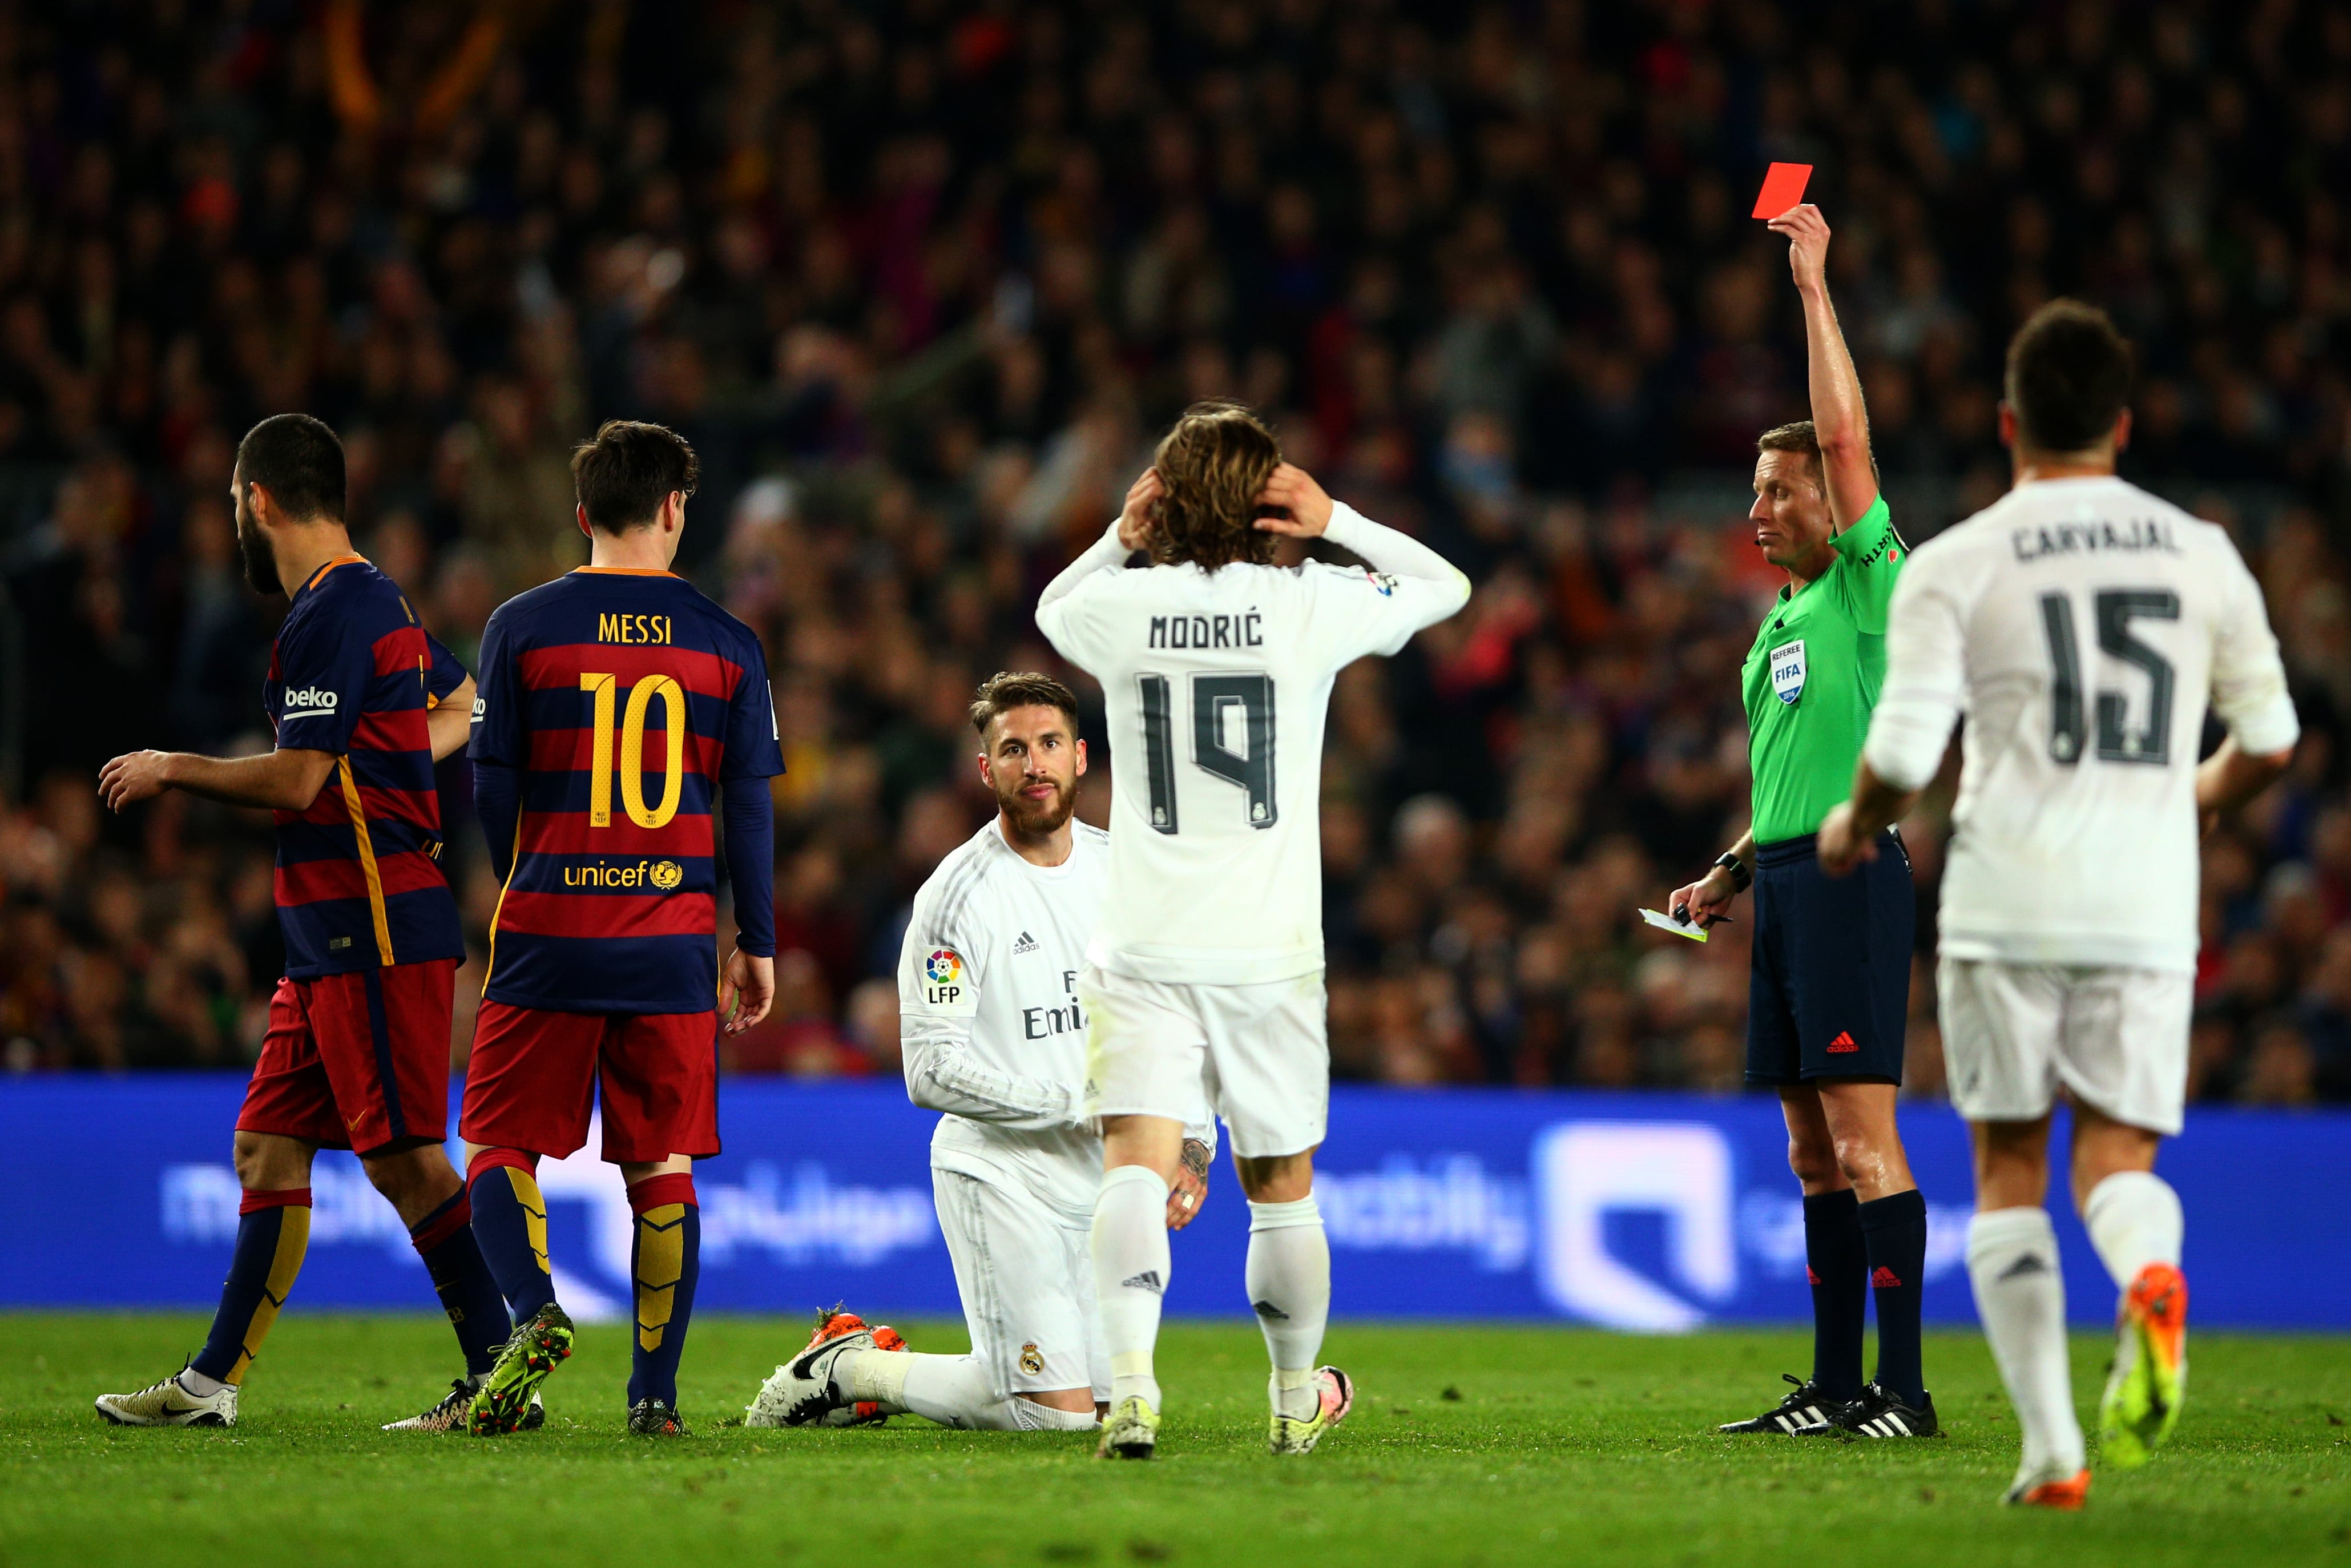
(2082, 626)
(988, 1017)
(1217, 685)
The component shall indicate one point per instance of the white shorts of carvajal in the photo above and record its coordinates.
(1025, 1273)
(1259, 1055)
(2115, 1037)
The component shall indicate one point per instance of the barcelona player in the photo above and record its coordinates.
(618, 708)
(357, 1054)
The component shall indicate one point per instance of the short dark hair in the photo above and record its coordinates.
(629, 470)
(299, 461)
(1008, 689)
(2069, 377)
(1212, 465)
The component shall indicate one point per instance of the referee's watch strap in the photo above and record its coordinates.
(1740, 877)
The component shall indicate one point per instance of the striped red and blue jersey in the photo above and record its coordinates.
(625, 700)
(353, 673)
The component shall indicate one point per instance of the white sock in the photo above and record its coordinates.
(953, 1390)
(197, 1384)
(1028, 1416)
(2020, 1296)
(1289, 1281)
(876, 1376)
(1131, 1272)
(2133, 1219)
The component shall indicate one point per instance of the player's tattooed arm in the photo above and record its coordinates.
(1191, 1188)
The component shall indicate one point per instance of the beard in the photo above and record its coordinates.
(1035, 819)
(253, 554)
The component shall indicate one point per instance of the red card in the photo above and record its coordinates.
(1784, 187)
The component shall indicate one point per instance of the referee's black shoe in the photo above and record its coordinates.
(1879, 1414)
(1802, 1410)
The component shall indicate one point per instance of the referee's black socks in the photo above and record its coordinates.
(1838, 1266)
(1894, 1232)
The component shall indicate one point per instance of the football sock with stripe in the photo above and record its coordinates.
(510, 1223)
(2133, 1219)
(1894, 1232)
(665, 1260)
(2021, 1297)
(468, 1292)
(273, 1232)
(1131, 1272)
(1837, 1262)
(1289, 1279)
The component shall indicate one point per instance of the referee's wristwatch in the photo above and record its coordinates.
(1740, 877)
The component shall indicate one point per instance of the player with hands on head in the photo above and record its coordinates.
(1830, 969)
(624, 718)
(1206, 967)
(993, 1036)
(2083, 626)
(363, 702)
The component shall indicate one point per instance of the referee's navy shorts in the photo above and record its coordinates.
(1828, 991)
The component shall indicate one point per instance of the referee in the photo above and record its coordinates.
(1830, 987)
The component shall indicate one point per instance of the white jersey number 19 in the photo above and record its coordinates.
(2116, 608)
(1216, 701)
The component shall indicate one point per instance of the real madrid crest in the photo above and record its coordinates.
(1032, 1360)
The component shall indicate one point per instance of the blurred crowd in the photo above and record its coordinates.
(921, 281)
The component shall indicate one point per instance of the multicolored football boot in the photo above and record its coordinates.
(1130, 1432)
(799, 1393)
(537, 1346)
(649, 1417)
(2049, 1487)
(2149, 1381)
(1334, 1395)
(454, 1412)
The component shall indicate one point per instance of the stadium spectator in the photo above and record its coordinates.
(914, 280)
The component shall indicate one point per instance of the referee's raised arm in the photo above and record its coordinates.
(1840, 418)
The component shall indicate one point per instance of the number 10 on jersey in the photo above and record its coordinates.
(1220, 704)
(605, 688)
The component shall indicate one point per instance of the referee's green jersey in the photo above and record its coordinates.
(1814, 677)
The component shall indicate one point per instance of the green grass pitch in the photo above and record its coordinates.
(1469, 1445)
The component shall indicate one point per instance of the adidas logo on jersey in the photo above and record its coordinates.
(1025, 944)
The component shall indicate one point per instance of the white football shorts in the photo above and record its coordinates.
(2116, 1038)
(1260, 1053)
(1025, 1274)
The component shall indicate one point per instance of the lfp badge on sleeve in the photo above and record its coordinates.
(1788, 670)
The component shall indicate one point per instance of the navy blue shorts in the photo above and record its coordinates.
(1828, 993)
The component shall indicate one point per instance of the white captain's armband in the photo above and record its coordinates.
(946, 986)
